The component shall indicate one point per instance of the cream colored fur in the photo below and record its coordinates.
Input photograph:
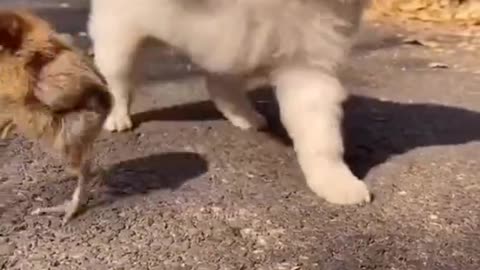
(296, 44)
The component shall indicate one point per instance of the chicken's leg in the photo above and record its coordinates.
(80, 196)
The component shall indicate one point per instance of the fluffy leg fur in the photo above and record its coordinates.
(114, 56)
(230, 98)
(310, 106)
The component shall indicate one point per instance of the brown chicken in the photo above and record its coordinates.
(51, 93)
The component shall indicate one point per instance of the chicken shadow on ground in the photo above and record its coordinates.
(148, 174)
(374, 130)
(138, 176)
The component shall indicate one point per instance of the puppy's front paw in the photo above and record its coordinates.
(117, 121)
(351, 191)
(255, 121)
(338, 185)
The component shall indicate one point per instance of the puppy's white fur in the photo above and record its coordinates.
(295, 44)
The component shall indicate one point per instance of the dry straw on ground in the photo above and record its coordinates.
(446, 11)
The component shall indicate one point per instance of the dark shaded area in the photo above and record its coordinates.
(374, 130)
(374, 43)
(71, 20)
(146, 174)
(200, 111)
(141, 176)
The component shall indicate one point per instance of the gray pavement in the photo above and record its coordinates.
(186, 190)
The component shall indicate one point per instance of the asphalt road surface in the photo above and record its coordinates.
(186, 190)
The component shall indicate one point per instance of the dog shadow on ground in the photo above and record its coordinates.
(377, 130)
(374, 130)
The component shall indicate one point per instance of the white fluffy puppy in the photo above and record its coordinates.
(296, 44)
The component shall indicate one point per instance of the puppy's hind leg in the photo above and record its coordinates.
(229, 96)
(310, 107)
(114, 55)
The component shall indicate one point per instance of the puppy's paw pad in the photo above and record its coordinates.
(118, 122)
